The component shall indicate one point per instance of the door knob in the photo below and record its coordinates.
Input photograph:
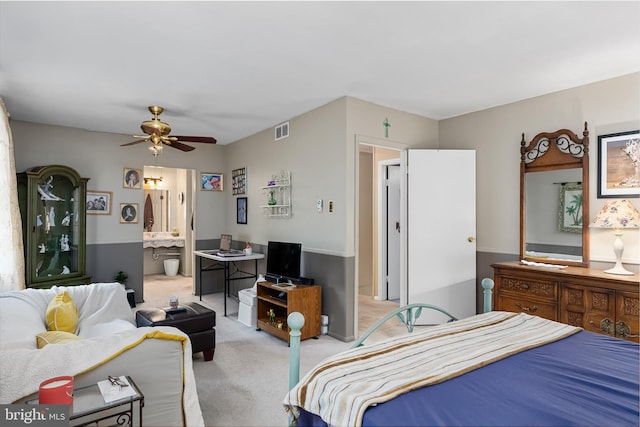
(471, 239)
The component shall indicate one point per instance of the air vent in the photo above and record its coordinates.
(282, 131)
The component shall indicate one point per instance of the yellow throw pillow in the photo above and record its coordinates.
(55, 337)
(62, 314)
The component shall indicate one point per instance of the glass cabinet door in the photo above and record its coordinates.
(55, 234)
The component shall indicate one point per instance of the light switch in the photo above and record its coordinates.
(319, 205)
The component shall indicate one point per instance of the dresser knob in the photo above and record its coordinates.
(527, 309)
(623, 330)
(606, 325)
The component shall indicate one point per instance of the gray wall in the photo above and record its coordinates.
(322, 154)
(608, 106)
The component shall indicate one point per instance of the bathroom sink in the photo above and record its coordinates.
(161, 240)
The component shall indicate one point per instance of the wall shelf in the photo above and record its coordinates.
(280, 191)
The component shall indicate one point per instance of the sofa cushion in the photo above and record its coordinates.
(62, 313)
(21, 319)
(55, 337)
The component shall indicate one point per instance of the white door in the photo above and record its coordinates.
(438, 243)
(393, 232)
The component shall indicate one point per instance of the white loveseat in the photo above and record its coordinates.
(157, 359)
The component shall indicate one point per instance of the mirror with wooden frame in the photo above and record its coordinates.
(554, 215)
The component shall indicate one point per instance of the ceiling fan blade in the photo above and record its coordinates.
(179, 145)
(205, 139)
(133, 142)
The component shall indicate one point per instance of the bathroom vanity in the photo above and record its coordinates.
(158, 247)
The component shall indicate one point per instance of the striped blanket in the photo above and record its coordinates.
(340, 389)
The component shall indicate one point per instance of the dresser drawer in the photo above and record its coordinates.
(528, 287)
(585, 297)
(523, 305)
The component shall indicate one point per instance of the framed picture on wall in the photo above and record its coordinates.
(239, 181)
(132, 178)
(570, 210)
(241, 210)
(128, 213)
(211, 181)
(618, 164)
(98, 202)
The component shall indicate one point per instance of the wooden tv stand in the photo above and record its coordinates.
(305, 299)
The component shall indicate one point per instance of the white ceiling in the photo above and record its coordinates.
(231, 69)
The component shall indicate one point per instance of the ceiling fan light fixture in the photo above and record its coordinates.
(156, 149)
(157, 132)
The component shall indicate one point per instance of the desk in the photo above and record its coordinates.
(225, 263)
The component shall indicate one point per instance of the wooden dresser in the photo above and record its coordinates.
(585, 297)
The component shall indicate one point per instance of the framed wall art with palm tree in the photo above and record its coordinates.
(570, 211)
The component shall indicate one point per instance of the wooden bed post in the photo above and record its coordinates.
(487, 285)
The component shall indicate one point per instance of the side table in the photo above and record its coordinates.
(89, 407)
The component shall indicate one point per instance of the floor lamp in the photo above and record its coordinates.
(618, 214)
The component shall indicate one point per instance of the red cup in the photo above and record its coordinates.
(56, 391)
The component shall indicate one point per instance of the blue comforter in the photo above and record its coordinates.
(586, 379)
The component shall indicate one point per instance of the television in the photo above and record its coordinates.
(283, 262)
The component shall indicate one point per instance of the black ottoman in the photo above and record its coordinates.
(197, 321)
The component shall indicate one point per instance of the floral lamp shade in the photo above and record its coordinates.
(617, 214)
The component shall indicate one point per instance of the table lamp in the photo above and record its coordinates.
(617, 214)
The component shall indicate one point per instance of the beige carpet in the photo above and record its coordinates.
(246, 381)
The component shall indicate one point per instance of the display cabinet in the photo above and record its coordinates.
(52, 206)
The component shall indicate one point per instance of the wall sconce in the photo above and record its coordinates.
(152, 181)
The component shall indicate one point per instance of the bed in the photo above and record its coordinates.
(493, 369)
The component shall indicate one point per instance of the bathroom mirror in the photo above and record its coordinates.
(554, 214)
(156, 210)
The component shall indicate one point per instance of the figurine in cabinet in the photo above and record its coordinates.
(46, 190)
(52, 217)
(64, 243)
(67, 218)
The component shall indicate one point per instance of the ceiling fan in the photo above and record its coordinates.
(157, 132)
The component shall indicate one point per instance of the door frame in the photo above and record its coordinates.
(375, 142)
(383, 254)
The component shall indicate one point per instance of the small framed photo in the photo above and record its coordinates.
(99, 202)
(239, 181)
(132, 178)
(618, 164)
(128, 213)
(211, 181)
(570, 210)
(241, 210)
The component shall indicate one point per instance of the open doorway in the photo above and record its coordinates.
(378, 235)
(168, 234)
(389, 230)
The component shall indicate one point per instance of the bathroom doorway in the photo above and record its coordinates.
(168, 234)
